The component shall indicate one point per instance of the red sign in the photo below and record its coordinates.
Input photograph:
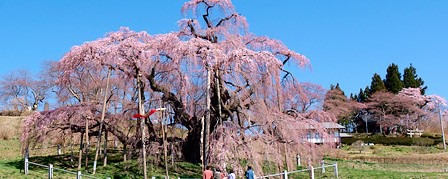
(152, 111)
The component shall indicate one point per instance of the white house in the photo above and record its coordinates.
(332, 129)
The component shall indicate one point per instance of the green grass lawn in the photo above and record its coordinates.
(359, 169)
(373, 162)
(12, 164)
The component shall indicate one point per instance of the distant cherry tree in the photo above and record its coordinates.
(339, 105)
(20, 90)
(406, 109)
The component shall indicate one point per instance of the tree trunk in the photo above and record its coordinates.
(207, 119)
(286, 157)
(218, 92)
(87, 146)
(172, 154)
(190, 148)
(72, 157)
(80, 152)
(124, 152)
(105, 148)
(201, 150)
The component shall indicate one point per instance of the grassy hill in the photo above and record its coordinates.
(11, 159)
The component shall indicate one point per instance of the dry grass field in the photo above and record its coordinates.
(380, 161)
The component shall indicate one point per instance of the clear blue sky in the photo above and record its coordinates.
(347, 41)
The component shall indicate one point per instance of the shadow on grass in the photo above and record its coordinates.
(16, 164)
(116, 168)
(187, 170)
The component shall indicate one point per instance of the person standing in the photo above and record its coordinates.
(250, 173)
(208, 173)
(231, 174)
(217, 174)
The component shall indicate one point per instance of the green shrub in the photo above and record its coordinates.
(349, 141)
(393, 141)
(376, 136)
(431, 135)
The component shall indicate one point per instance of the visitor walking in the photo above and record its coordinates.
(207, 174)
(231, 174)
(250, 173)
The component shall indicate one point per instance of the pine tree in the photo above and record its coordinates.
(377, 84)
(367, 92)
(339, 88)
(393, 81)
(354, 97)
(362, 96)
(411, 80)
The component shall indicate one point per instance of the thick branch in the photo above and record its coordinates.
(178, 107)
(226, 19)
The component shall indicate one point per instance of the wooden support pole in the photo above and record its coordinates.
(98, 142)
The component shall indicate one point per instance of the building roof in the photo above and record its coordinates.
(326, 125)
(332, 125)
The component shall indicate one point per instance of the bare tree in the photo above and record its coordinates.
(23, 92)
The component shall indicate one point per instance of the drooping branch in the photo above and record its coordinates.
(226, 19)
(206, 15)
(193, 31)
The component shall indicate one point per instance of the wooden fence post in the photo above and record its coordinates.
(26, 165)
(27, 154)
(50, 171)
(336, 173)
(311, 172)
(94, 165)
(285, 175)
(78, 175)
(323, 166)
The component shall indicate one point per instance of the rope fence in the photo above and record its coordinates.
(311, 170)
(51, 170)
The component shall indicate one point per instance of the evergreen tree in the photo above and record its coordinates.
(393, 81)
(411, 80)
(377, 84)
(354, 97)
(367, 92)
(362, 96)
